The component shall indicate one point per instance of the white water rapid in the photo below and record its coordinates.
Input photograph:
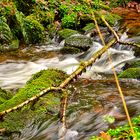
(14, 73)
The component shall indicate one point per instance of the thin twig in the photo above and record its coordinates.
(114, 71)
(116, 35)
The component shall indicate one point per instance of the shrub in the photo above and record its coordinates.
(69, 21)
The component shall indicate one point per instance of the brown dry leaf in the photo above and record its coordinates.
(105, 136)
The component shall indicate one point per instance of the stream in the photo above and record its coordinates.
(92, 97)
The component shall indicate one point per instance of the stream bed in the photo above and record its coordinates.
(93, 95)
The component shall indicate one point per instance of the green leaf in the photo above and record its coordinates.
(109, 119)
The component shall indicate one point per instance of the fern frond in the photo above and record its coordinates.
(5, 31)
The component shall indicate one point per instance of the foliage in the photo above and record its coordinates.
(71, 13)
(24, 16)
(24, 6)
(7, 8)
(5, 32)
(69, 21)
(115, 3)
(134, 64)
(123, 132)
(97, 4)
(32, 30)
(112, 18)
(64, 10)
(42, 13)
(65, 33)
(109, 17)
(6, 37)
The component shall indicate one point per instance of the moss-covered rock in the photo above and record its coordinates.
(35, 31)
(89, 27)
(134, 64)
(17, 120)
(130, 73)
(65, 33)
(81, 42)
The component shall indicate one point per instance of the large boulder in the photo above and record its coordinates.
(33, 112)
(81, 43)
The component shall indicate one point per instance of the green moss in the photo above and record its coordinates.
(4, 95)
(112, 18)
(135, 64)
(44, 17)
(65, 33)
(70, 21)
(17, 120)
(31, 29)
(130, 73)
(109, 17)
(88, 27)
(35, 31)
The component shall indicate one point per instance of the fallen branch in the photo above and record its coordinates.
(115, 75)
(77, 72)
(116, 35)
(32, 99)
(63, 106)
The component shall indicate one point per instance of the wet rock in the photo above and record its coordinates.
(81, 42)
(137, 51)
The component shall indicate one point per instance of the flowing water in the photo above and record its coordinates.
(92, 97)
(14, 73)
